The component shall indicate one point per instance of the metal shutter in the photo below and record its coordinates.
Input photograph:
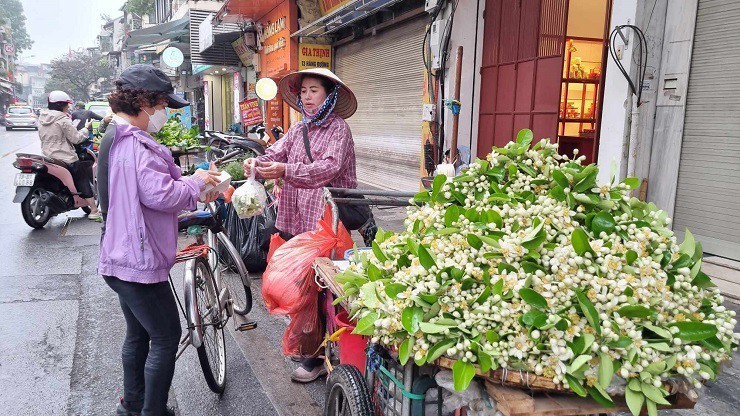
(386, 73)
(708, 194)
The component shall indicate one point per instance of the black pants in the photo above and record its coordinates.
(152, 336)
(81, 171)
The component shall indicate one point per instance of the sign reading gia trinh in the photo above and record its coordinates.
(328, 6)
(250, 110)
(312, 55)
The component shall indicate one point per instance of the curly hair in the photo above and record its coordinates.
(131, 101)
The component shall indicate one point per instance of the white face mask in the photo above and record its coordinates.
(156, 120)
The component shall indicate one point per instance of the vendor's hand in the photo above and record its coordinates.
(88, 126)
(272, 170)
(210, 177)
(211, 196)
(248, 164)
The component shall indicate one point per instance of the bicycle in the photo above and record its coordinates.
(216, 285)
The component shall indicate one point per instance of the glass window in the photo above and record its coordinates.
(20, 110)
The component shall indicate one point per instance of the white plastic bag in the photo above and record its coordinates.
(250, 199)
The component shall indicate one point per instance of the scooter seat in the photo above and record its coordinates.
(202, 218)
(42, 158)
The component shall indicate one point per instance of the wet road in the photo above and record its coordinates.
(61, 327)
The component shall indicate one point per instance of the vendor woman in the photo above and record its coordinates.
(325, 103)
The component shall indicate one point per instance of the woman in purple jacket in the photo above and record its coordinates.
(142, 191)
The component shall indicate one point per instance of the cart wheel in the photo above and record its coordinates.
(346, 393)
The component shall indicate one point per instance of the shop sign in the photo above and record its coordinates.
(183, 115)
(205, 34)
(172, 57)
(312, 55)
(328, 6)
(278, 52)
(250, 111)
(242, 50)
(207, 99)
(238, 88)
(8, 49)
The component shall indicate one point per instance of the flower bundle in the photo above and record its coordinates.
(524, 262)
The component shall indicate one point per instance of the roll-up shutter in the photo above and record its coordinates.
(708, 194)
(386, 72)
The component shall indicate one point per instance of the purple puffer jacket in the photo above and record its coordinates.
(146, 192)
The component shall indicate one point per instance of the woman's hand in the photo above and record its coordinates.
(248, 164)
(211, 196)
(210, 177)
(272, 170)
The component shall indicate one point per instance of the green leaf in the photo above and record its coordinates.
(654, 394)
(606, 370)
(498, 287)
(422, 196)
(637, 311)
(579, 362)
(713, 343)
(492, 336)
(484, 361)
(366, 326)
(404, 350)
(560, 178)
(489, 240)
(688, 246)
(600, 395)
(494, 217)
(452, 215)
(694, 331)
(632, 183)
(661, 346)
(425, 258)
(393, 289)
(631, 256)
(429, 328)
(410, 318)
(439, 181)
(534, 318)
(533, 298)
(575, 385)
(462, 375)
(661, 332)
(378, 252)
(652, 408)
(634, 400)
(484, 295)
(524, 137)
(531, 267)
(580, 242)
(589, 311)
(695, 269)
(621, 343)
(439, 349)
(603, 221)
(702, 281)
(373, 273)
(447, 231)
(474, 241)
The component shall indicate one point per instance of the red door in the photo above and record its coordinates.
(521, 69)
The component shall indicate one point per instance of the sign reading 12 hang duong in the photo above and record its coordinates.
(328, 6)
(312, 55)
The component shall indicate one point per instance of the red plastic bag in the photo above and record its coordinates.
(275, 242)
(289, 276)
(305, 332)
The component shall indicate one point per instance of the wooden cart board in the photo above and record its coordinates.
(512, 401)
(325, 272)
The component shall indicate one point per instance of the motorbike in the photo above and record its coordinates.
(253, 145)
(45, 187)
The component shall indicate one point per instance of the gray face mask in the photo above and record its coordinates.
(156, 120)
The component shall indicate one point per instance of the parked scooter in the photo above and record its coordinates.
(45, 187)
(254, 144)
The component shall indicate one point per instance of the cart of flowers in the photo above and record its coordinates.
(526, 273)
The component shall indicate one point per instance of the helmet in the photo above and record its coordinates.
(59, 97)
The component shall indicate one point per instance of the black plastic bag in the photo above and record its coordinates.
(251, 236)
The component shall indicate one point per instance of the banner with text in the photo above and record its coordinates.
(250, 110)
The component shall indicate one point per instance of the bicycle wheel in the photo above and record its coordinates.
(234, 274)
(212, 351)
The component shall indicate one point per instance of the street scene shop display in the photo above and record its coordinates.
(523, 262)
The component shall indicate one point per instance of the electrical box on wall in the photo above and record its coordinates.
(435, 39)
(430, 5)
(428, 112)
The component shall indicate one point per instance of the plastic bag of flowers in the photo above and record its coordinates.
(250, 198)
(523, 262)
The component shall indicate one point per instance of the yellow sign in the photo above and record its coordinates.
(312, 55)
(328, 6)
(242, 50)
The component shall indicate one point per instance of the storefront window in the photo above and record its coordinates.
(583, 66)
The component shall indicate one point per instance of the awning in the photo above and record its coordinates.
(344, 16)
(159, 33)
(246, 9)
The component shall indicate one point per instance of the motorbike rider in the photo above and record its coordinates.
(83, 115)
(58, 136)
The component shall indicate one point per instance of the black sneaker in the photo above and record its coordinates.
(122, 411)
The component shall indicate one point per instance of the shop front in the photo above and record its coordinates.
(550, 78)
